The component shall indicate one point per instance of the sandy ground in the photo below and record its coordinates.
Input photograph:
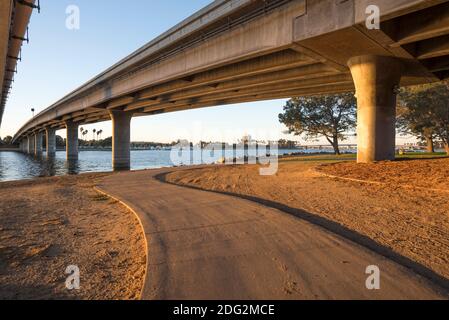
(424, 173)
(412, 223)
(206, 245)
(48, 224)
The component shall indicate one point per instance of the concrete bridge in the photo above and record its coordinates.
(14, 18)
(236, 51)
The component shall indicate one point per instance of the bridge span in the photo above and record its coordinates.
(236, 51)
(14, 18)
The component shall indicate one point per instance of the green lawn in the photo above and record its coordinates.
(353, 157)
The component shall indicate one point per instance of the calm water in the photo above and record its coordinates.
(18, 166)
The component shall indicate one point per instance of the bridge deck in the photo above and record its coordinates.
(239, 51)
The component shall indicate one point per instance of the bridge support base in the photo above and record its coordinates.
(121, 139)
(50, 138)
(72, 140)
(38, 144)
(30, 145)
(376, 80)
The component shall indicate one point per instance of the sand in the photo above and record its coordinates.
(48, 224)
(207, 245)
(414, 223)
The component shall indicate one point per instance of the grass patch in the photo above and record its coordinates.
(424, 155)
(353, 157)
(319, 158)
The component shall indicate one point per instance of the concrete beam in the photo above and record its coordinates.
(278, 94)
(432, 48)
(376, 79)
(422, 25)
(121, 139)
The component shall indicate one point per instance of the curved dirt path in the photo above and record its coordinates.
(204, 245)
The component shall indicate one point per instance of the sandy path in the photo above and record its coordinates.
(206, 245)
(48, 224)
(411, 223)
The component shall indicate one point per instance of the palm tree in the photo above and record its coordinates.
(93, 133)
(100, 133)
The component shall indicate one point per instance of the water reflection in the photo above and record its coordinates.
(18, 166)
(73, 166)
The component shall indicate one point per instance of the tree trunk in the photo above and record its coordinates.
(430, 147)
(446, 147)
(335, 146)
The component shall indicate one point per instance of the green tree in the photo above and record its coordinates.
(329, 116)
(423, 111)
(7, 140)
(60, 141)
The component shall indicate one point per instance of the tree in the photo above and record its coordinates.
(60, 142)
(7, 140)
(423, 111)
(330, 116)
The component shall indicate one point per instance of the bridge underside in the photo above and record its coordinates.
(293, 48)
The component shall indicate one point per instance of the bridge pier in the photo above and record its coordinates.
(376, 80)
(121, 139)
(30, 145)
(38, 144)
(50, 138)
(72, 140)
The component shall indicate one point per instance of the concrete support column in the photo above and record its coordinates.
(72, 140)
(376, 80)
(121, 139)
(38, 144)
(50, 139)
(31, 142)
(28, 145)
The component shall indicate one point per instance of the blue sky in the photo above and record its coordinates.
(58, 60)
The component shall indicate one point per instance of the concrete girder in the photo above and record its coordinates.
(429, 23)
(431, 48)
(285, 86)
(274, 62)
(250, 97)
(308, 74)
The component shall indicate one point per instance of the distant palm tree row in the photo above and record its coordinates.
(95, 132)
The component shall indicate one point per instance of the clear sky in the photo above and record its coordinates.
(58, 60)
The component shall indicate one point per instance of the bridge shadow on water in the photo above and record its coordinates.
(338, 229)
